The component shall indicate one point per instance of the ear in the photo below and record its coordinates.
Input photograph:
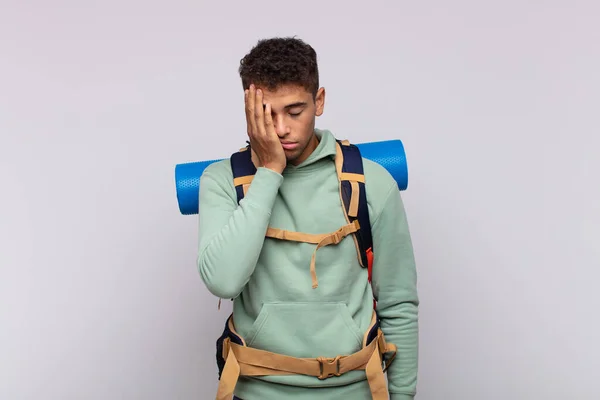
(320, 102)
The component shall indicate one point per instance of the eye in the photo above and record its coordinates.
(295, 114)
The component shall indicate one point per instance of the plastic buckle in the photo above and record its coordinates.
(329, 367)
(338, 236)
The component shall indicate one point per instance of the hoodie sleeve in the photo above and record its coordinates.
(395, 288)
(231, 236)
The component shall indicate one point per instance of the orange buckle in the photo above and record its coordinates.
(329, 367)
(337, 237)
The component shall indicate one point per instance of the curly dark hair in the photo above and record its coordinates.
(278, 61)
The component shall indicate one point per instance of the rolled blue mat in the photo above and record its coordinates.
(388, 153)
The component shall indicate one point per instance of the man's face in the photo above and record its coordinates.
(294, 111)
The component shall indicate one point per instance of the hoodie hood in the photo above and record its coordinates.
(325, 152)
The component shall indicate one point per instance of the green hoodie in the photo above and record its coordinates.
(275, 307)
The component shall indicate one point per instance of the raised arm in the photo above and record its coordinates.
(231, 236)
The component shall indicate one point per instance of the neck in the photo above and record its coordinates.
(312, 145)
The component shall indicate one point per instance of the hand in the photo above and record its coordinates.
(264, 142)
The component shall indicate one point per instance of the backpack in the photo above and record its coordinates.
(349, 167)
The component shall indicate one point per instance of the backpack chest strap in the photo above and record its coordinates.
(321, 240)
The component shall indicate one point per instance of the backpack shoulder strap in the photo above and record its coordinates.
(243, 171)
(349, 167)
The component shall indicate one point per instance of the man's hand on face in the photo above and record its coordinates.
(264, 141)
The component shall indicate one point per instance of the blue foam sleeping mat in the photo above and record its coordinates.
(387, 153)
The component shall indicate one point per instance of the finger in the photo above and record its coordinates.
(251, 117)
(269, 127)
(259, 113)
(247, 109)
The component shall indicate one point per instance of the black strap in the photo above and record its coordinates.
(242, 165)
(353, 163)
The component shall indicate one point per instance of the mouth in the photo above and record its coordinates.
(289, 145)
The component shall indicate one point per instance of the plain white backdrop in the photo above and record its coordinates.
(497, 104)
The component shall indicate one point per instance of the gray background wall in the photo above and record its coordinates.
(496, 102)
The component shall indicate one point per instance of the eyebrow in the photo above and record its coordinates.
(293, 105)
(297, 104)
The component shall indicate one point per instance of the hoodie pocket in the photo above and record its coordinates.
(306, 329)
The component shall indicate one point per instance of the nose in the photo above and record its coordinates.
(281, 128)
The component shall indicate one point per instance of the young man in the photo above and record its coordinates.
(286, 253)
